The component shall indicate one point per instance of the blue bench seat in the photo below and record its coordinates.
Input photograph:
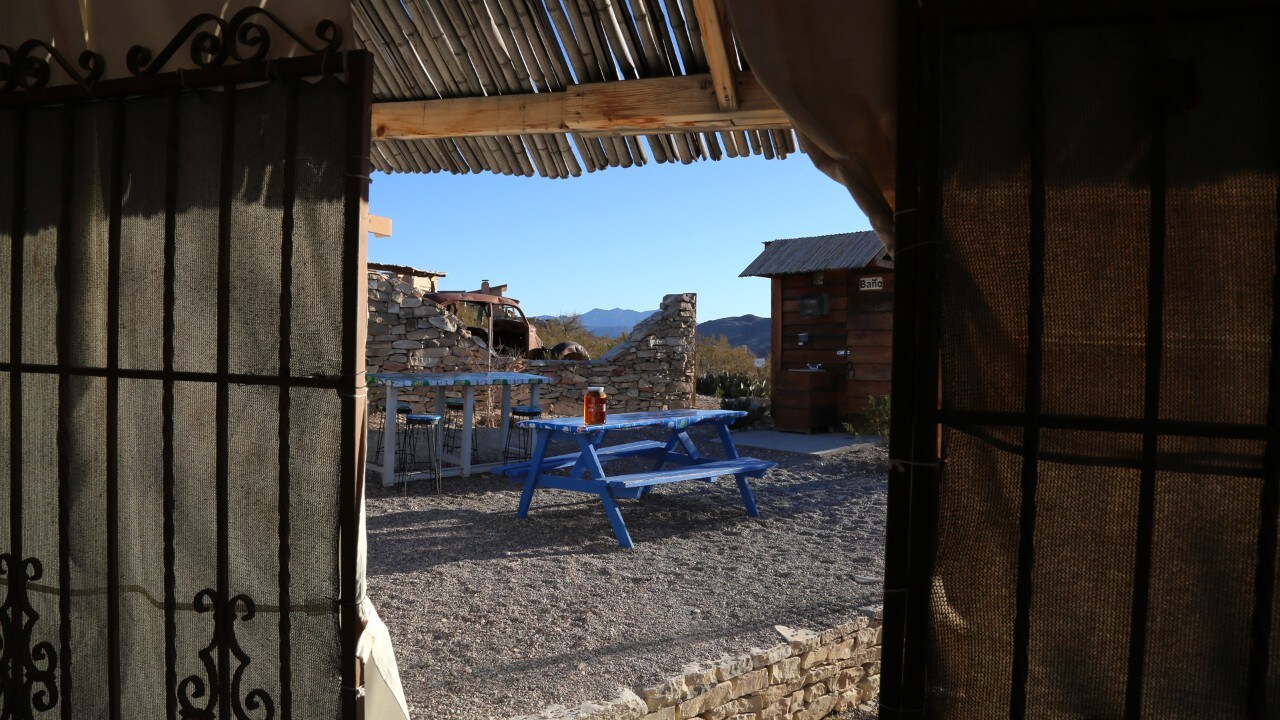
(747, 466)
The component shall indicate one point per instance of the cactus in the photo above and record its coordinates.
(732, 385)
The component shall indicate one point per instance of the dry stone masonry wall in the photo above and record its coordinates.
(653, 369)
(808, 677)
(409, 332)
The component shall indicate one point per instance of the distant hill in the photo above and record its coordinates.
(608, 323)
(748, 330)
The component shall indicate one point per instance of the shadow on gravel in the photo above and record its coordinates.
(558, 527)
(553, 607)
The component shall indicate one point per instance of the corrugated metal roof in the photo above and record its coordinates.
(845, 251)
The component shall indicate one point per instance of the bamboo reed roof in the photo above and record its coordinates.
(843, 251)
(429, 50)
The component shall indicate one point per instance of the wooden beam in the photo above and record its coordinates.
(715, 41)
(380, 226)
(629, 107)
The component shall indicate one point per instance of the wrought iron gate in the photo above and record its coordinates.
(182, 378)
(1086, 442)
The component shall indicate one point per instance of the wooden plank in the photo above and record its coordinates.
(830, 279)
(826, 343)
(715, 42)
(865, 388)
(872, 355)
(775, 334)
(870, 338)
(380, 226)
(796, 289)
(817, 382)
(830, 338)
(878, 302)
(832, 324)
(871, 372)
(629, 107)
(857, 404)
(799, 357)
(791, 303)
(710, 470)
(825, 400)
(871, 320)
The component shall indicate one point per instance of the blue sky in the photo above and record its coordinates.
(621, 237)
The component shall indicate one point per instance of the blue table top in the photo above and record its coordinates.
(673, 419)
(449, 379)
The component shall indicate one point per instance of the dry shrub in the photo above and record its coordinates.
(715, 356)
(569, 328)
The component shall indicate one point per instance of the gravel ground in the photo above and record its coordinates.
(494, 617)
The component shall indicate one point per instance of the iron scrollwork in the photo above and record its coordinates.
(23, 67)
(195, 688)
(27, 671)
(242, 37)
(214, 41)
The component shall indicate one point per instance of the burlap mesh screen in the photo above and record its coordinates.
(140, 447)
(1113, 120)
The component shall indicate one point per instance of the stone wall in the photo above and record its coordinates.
(409, 332)
(808, 677)
(653, 369)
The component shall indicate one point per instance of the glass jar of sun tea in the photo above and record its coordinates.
(594, 405)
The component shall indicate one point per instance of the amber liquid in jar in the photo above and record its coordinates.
(594, 405)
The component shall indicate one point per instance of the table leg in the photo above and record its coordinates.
(535, 469)
(748, 498)
(687, 443)
(468, 422)
(439, 410)
(615, 519)
(730, 451)
(535, 391)
(506, 419)
(390, 425)
(588, 460)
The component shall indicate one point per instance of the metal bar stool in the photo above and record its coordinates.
(419, 432)
(520, 440)
(453, 421)
(379, 422)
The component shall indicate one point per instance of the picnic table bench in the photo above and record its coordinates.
(586, 467)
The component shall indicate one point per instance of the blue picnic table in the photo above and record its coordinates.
(586, 467)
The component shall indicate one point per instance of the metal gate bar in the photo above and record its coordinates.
(23, 662)
(912, 514)
(1034, 391)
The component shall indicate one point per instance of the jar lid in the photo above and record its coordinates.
(596, 388)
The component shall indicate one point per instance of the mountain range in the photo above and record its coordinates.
(608, 323)
(749, 330)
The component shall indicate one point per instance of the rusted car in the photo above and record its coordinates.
(497, 320)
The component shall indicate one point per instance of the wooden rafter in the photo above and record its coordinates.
(715, 40)
(632, 107)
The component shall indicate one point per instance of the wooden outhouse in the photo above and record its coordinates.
(832, 327)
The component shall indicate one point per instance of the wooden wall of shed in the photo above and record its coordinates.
(858, 321)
